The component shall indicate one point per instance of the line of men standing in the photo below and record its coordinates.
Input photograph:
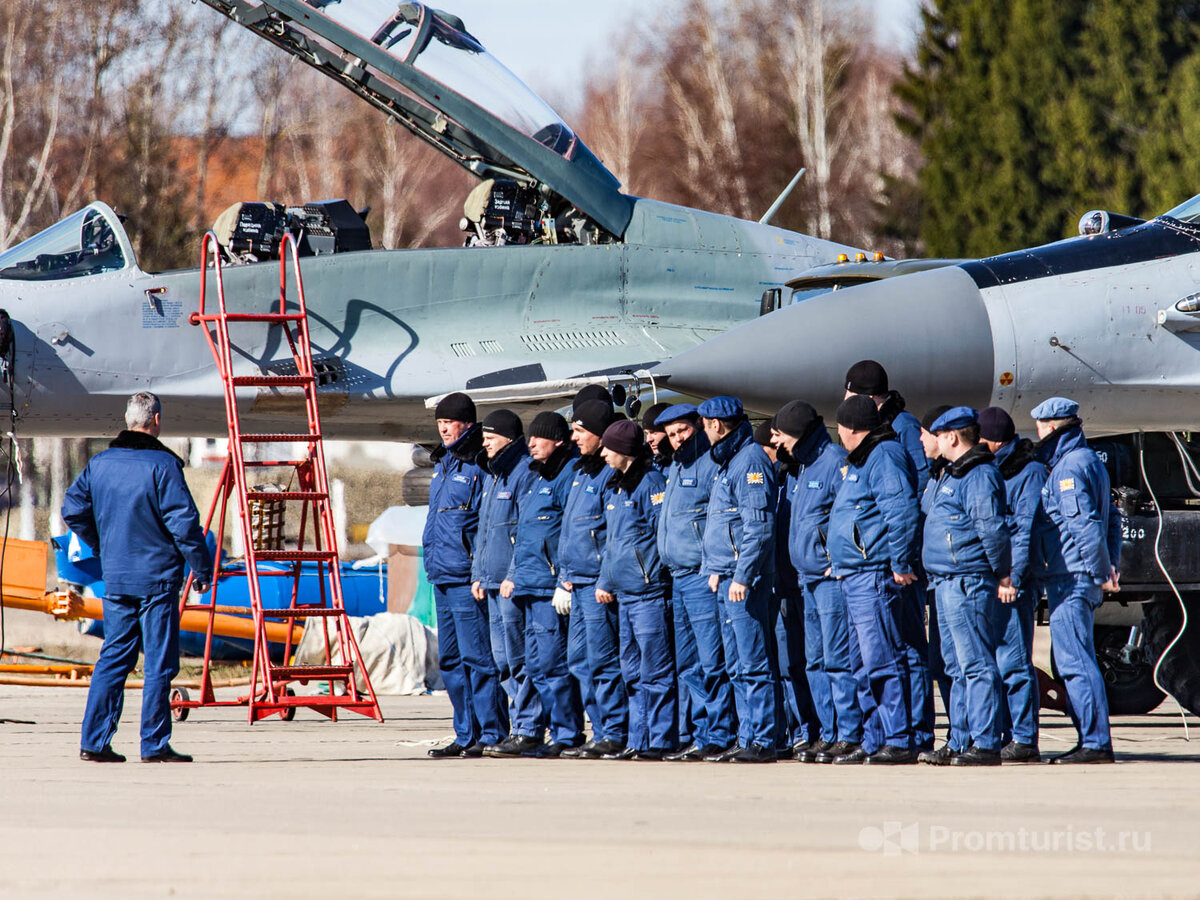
(702, 590)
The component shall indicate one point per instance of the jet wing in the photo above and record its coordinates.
(422, 67)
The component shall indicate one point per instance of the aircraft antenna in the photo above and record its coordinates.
(767, 216)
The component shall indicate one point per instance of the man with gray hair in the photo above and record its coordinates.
(132, 507)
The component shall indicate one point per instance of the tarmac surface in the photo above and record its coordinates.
(312, 808)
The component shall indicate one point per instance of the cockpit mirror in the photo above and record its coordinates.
(1100, 221)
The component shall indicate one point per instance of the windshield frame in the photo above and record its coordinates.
(50, 239)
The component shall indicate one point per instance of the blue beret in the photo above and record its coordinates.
(958, 417)
(721, 408)
(1055, 408)
(678, 411)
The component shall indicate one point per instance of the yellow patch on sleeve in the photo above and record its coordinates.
(657, 499)
(1066, 484)
(755, 478)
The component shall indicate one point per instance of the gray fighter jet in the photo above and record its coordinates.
(563, 278)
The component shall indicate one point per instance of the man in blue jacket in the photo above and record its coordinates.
(593, 646)
(1076, 550)
(634, 578)
(464, 633)
(1023, 478)
(132, 507)
(738, 556)
(967, 553)
(533, 579)
(697, 612)
(872, 549)
(505, 464)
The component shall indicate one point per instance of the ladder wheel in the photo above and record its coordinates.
(289, 713)
(179, 695)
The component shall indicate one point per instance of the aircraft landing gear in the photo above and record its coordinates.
(1128, 670)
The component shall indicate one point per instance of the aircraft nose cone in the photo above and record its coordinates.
(930, 330)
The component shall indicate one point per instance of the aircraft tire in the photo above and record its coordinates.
(1180, 670)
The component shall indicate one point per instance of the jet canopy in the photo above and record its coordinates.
(89, 242)
(1187, 212)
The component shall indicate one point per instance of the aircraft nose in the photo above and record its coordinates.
(930, 330)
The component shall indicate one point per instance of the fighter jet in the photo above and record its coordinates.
(563, 278)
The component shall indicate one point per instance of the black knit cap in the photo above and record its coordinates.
(867, 377)
(457, 406)
(650, 416)
(859, 413)
(762, 432)
(996, 425)
(549, 425)
(624, 437)
(933, 415)
(505, 423)
(590, 392)
(797, 419)
(595, 416)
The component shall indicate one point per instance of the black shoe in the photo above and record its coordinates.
(450, 751)
(513, 746)
(621, 753)
(887, 755)
(976, 756)
(809, 754)
(652, 755)
(601, 749)
(855, 757)
(108, 754)
(553, 750)
(755, 753)
(1016, 752)
(580, 752)
(166, 755)
(833, 751)
(691, 753)
(939, 757)
(474, 751)
(1084, 756)
(724, 755)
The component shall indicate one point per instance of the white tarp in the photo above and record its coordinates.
(401, 654)
(402, 525)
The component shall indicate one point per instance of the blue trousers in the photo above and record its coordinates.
(648, 667)
(468, 667)
(831, 660)
(546, 659)
(149, 624)
(1015, 658)
(959, 734)
(916, 658)
(610, 722)
(698, 610)
(689, 677)
(1072, 602)
(973, 616)
(508, 649)
(876, 605)
(577, 652)
(937, 665)
(747, 632)
(800, 721)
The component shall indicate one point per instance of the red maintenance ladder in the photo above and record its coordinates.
(269, 684)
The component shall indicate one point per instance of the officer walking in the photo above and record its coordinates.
(1024, 478)
(967, 554)
(634, 578)
(739, 549)
(505, 463)
(1077, 547)
(132, 507)
(464, 634)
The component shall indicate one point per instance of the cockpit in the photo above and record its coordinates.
(1188, 212)
(89, 242)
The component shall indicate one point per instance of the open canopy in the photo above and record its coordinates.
(88, 242)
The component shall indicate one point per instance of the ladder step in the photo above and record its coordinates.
(273, 380)
(286, 495)
(254, 317)
(274, 463)
(294, 555)
(280, 438)
(304, 673)
(303, 612)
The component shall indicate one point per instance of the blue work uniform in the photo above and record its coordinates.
(872, 534)
(506, 479)
(593, 642)
(132, 507)
(943, 664)
(697, 612)
(534, 572)
(468, 667)
(908, 432)
(739, 535)
(633, 572)
(1075, 542)
(1023, 478)
(967, 551)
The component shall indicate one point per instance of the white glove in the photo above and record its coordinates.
(562, 602)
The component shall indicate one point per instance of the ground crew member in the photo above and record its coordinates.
(505, 463)
(803, 443)
(1077, 547)
(464, 633)
(132, 507)
(1024, 478)
(968, 556)
(634, 578)
(656, 438)
(872, 546)
(739, 550)
(531, 582)
(697, 613)
(593, 646)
